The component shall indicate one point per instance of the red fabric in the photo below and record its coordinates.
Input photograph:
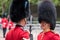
(17, 34)
(48, 36)
(4, 22)
(10, 24)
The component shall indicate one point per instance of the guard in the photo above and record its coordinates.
(18, 16)
(47, 19)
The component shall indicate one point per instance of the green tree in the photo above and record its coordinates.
(56, 2)
(33, 1)
(4, 6)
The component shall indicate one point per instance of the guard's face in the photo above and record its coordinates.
(25, 21)
(45, 25)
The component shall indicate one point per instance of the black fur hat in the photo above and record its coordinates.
(18, 10)
(47, 12)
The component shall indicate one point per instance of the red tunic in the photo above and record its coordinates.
(17, 34)
(10, 24)
(4, 22)
(48, 36)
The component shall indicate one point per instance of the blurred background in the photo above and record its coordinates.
(4, 10)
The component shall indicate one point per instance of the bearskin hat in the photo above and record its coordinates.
(18, 10)
(47, 12)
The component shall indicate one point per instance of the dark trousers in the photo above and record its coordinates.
(4, 32)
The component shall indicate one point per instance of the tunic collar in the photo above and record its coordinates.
(18, 25)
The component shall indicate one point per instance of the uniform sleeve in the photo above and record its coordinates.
(56, 37)
(6, 38)
(8, 35)
(38, 37)
(6, 21)
(25, 35)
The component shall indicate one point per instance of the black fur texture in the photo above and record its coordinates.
(18, 10)
(47, 12)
